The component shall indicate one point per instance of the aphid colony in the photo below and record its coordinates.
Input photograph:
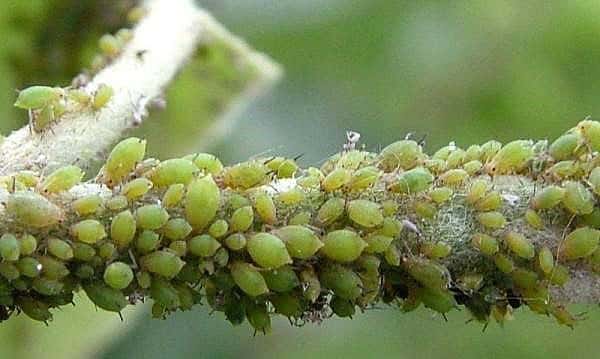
(360, 230)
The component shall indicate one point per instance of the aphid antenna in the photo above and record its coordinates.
(133, 261)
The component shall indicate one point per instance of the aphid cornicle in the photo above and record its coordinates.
(163, 263)
(32, 209)
(268, 251)
(176, 170)
(365, 213)
(301, 242)
(118, 275)
(122, 160)
(580, 243)
(412, 181)
(248, 278)
(343, 245)
(202, 202)
(123, 228)
(62, 179)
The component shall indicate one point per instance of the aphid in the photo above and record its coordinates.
(109, 45)
(178, 247)
(9, 247)
(206, 162)
(364, 178)
(331, 210)
(437, 250)
(365, 213)
(489, 150)
(343, 281)
(176, 170)
(265, 208)
(312, 179)
(562, 316)
(533, 219)
(577, 198)
(389, 208)
(80, 96)
(88, 231)
(477, 190)
(102, 96)
(377, 243)
(202, 202)
(282, 279)
(236, 241)
(173, 195)
(564, 147)
(248, 278)
(456, 158)
(29, 267)
(258, 317)
(136, 188)
(287, 304)
(163, 263)
(86, 205)
(580, 243)
(124, 35)
(524, 278)
(123, 228)
(84, 271)
(473, 167)
(439, 301)
(60, 249)
(34, 309)
(83, 252)
(473, 152)
(268, 251)
(470, 283)
(342, 308)
(548, 197)
(245, 175)
(221, 258)
(147, 241)
(519, 245)
(287, 169)
(336, 179)
(412, 181)
(117, 203)
(560, 275)
(165, 296)
(176, 229)
(486, 244)
(62, 179)
(151, 216)
(33, 210)
(512, 158)
(435, 166)
(37, 97)
(53, 268)
(203, 245)
(429, 273)
(27, 244)
(122, 160)
(590, 130)
(218, 228)
(144, 279)
(118, 275)
(594, 180)
(241, 219)
(300, 218)
(9, 271)
(291, 197)
(404, 154)
(28, 178)
(546, 260)
(105, 297)
(107, 251)
(424, 209)
(492, 220)
(564, 169)
(489, 202)
(454, 177)
(343, 245)
(301, 242)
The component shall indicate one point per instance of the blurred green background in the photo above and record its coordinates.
(464, 70)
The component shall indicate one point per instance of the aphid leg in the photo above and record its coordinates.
(133, 261)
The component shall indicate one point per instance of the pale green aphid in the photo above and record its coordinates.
(203, 246)
(519, 245)
(246, 175)
(436, 250)
(248, 278)
(456, 158)
(27, 244)
(491, 201)
(218, 228)
(60, 249)
(580, 243)
(389, 207)
(439, 301)
(282, 279)
(173, 195)
(336, 179)
(109, 45)
(241, 219)
(118, 275)
(486, 244)
(425, 209)
(590, 130)
(268, 251)
(9, 247)
(364, 178)
(470, 282)
(9, 271)
(29, 179)
(124, 35)
(513, 157)
(144, 279)
(594, 180)
(365, 213)
(564, 169)
(236, 241)
(221, 258)
(392, 255)
(331, 210)
(164, 263)
(151, 216)
(477, 190)
(117, 203)
(46, 286)
(53, 268)
(287, 304)
(504, 263)
(88, 231)
(343, 245)
(29, 267)
(37, 97)
(79, 96)
(473, 167)
(177, 229)
(435, 166)
(107, 251)
(489, 150)
(122, 160)
(34, 309)
(300, 218)
(533, 219)
(524, 278)
(492, 220)
(32, 209)
(429, 273)
(412, 181)
(404, 154)
(136, 188)
(291, 197)
(178, 247)
(102, 96)
(301, 242)
(311, 284)
(265, 208)
(83, 251)
(176, 170)
(62, 179)
(105, 297)
(377, 243)
(147, 241)
(164, 294)
(86, 205)
(43, 118)
(546, 260)
(287, 168)
(560, 275)
(564, 147)
(548, 197)
(342, 281)
(473, 152)
(577, 198)
(206, 162)
(123, 228)
(202, 202)
(454, 177)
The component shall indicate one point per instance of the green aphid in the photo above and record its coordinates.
(268, 251)
(548, 197)
(444, 152)
(470, 283)
(88, 231)
(486, 244)
(412, 181)
(124, 35)
(107, 251)
(477, 190)
(118, 275)
(590, 130)
(343, 281)
(404, 154)
(565, 147)
(218, 228)
(343, 308)
(489, 150)
(60, 249)
(187, 296)
(203, 245)
(63, 179)
(29, 267)
(524, 278)
(427, 272)
(34, 309)
(287, 169)
(563, 317)
(136, 188)
(163, 263)
(236, 241)
(87, 205)
(248, 278)
(236, 200)
(377, 243)
(580, 243)
(301, 242)
(20, 284)
(144, 279)
(301, 218)
(79, 96)
(437, 250)
(176, 229)
(202, 202)
(53, 268)
(117, 203)
(504, 263)
(241, 219)
(343, 245)
(206, 162)
(424, 209)
(83, 252)
(492, 220)
(454, 177)
(291, 197)
(473, 152)
(534, 219)
(560, 275)
(456, 158)
(519, 245)
(9, 271)
(173, 195)
(311, 179)
(37, 97)
(594, 180)
(392, 255)
(258, 317)
(9, 247)
(564, 169)
(102, 96)
(176, 170)
(473, 167)
(29, 179)
(147, 241)
(123, 159)
(178, 247)
(287, 304)
(435, 166)
(282, 279)
(151, 216)
(33, 210)
(490, 202)
(84, 271)
(389, 208)
(109, 45)
(246, 175)
(27, 244)
(336, 179)
(123, 228)
(331, 210)
(105, 297)
(365, 213)
(577, 199)
(364, 178)
(45, 286)
(43, 118)
(265, 208)
(310, 284)
(439, 301)
(546, 260)
(512, 158)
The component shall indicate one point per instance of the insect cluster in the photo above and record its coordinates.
(364, 228)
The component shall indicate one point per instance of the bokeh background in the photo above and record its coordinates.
(464, 70)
